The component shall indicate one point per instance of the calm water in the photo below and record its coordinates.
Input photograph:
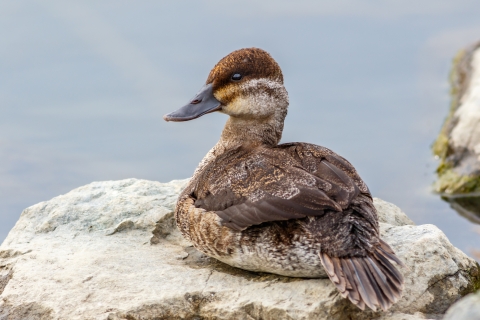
(83, 88)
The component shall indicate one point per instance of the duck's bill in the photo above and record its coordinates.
(204, 102)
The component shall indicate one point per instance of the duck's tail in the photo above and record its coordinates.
(371, 280)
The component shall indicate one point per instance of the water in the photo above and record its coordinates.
(83, 88)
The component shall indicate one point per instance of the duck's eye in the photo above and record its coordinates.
(237, 76)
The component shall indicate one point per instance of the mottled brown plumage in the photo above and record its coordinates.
(294, 209)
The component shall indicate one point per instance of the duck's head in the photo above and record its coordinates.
(247, 84)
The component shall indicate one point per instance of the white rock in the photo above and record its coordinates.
(458, 144)
(110, 250)
(466, 133)
(390, 214)
(467, 308)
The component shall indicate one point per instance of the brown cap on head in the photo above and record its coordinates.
(250, 63)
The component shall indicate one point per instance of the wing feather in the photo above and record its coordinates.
(365, 280)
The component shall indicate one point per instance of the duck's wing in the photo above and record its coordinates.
(248, 187)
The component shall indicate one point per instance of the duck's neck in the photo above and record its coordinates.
(252, 132)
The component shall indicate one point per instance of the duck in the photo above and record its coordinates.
(291, 209)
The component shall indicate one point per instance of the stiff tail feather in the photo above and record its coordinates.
(371, 281)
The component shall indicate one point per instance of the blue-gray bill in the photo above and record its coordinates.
(204, 102)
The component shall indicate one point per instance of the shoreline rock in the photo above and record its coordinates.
(467, 308)
(458, 143)
(111, 250)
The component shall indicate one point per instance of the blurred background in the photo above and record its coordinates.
(84, 85)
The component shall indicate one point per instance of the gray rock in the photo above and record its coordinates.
(467, 308)
(458, 144)
(110, 250)
(389, 213)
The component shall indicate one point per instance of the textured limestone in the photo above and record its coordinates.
(110, 250)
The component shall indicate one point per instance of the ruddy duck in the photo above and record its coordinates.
(293, 209)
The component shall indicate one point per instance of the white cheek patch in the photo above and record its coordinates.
(261, 97)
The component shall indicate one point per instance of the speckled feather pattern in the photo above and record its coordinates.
(293, 209)
(275, 174)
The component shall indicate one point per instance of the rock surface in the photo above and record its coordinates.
(458, 144)
(110, 250)
(466, 309)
